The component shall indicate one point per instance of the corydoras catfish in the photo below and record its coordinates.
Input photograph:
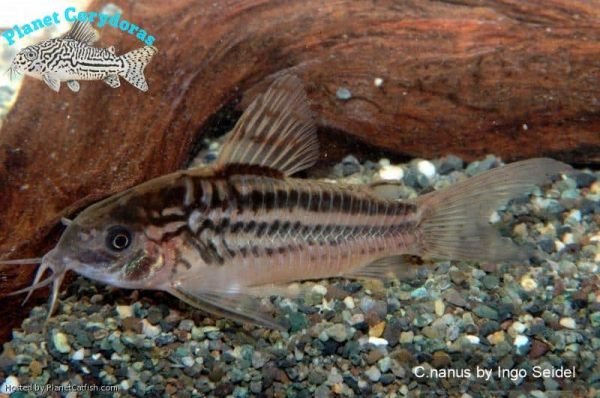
(72, 58)
(221, 237)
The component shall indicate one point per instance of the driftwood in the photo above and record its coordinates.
(517, 79)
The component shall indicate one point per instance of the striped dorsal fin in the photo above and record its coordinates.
(82, 32)
(276, 132)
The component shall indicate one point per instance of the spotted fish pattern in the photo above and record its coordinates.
(221, 237)
(73, 58)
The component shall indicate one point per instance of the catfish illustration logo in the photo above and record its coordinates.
(72, 58)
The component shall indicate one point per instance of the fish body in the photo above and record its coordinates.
(73, 58)
(239, 231)
(221, 237)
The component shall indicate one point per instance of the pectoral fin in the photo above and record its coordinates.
(112, 80)
(51, 81)
(240, 307)
(73, 85)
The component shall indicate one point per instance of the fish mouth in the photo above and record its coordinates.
(48, 262)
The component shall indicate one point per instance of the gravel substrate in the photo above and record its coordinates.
(431, 334)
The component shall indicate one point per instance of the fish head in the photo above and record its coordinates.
(105, 243)
(28, 61)
(108, 242)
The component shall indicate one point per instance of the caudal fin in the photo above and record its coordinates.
(135, 63)
(455, 221)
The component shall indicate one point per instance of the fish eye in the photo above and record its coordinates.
(118, 238)
(30, 55)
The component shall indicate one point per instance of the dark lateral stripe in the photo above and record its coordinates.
(293, 198)
(277, 228)
(261, 229)
(267, 198)
(215, 249)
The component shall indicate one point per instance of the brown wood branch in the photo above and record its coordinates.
(517, 79)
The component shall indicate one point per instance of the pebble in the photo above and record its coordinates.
(366, 304)
(377, 330)
(384, 364)
(494, 217)
(337, 332)
(334, 377)
(449, 164)
(125, 384)
(439, 307)
(573, 217)
(322, 392)
(568, 323)
(61, 342)
(319, 289)
(392, 331)
(377, 341)
(391, 173)
(343, 94)
(10, 385)
(517, 328)
(124, 311)
(350, 165)
(373, 373)
(521, 343)
(150, 330)
(584, 179)
(78, 355)
(188, 361)
(570, 194)
(496, 338)
(473, 339)
(547, 245)
(406, 337)
(419, 293)
(186, 324)
(455, 298)
(36, 368)
(528, 283)
(548, 206)
(259, 359)
(490, 282)
(538, 349)
(349, 302)
(485, 311)
(423, 319)
(595, 319)
(520, 230)
(133, 324)
(298, 321)
(479, 166)
(440, 359)
(426, 168)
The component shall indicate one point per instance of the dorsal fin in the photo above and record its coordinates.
(276, 131)
(82, 32)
